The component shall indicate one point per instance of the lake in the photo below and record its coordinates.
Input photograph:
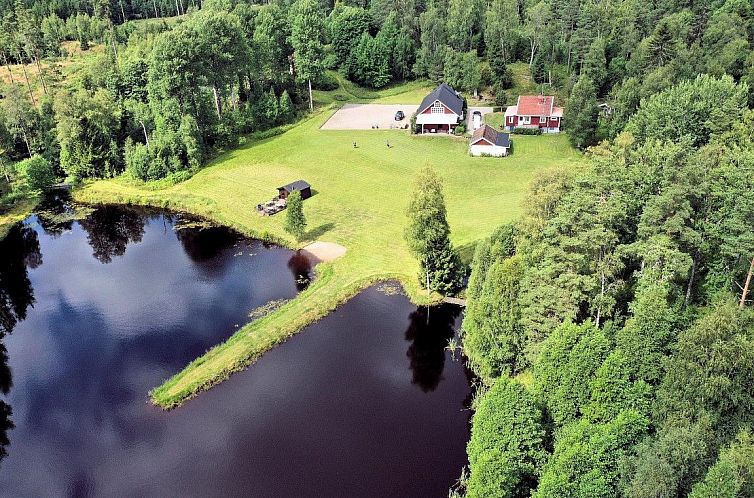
(98, 310)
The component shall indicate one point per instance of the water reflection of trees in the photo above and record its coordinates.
(110, 229)
(20, 252)
(429, 332)
(207, 246)
(301, 267)
(55, 213)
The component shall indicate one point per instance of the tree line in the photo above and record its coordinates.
(164, 96)
(155, 105)
(619, 297)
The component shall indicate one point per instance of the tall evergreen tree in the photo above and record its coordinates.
(581, 114)
(295, 221)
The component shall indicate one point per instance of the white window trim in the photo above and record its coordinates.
(543, 119)
(525, 119)
(437, 108)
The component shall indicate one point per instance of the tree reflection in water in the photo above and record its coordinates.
(206, 245)
(20, 251)
(429, 332)
(55, 213)
(110, 229)
(301, 268)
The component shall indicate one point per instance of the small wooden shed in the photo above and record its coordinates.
(298, 186)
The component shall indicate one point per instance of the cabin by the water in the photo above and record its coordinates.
(298, 186)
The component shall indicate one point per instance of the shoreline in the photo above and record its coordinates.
(329, 290)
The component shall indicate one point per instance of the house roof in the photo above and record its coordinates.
(535, 105)
(446, 95)
(491, 135)
(294, 186)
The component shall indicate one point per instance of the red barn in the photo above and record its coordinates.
(440, 111)
(534, 111)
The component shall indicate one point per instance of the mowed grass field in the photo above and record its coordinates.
(360, 201)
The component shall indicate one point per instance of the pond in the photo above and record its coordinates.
(97, 311)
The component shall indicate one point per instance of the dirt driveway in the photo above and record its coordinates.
(366, 116)
(470, 116)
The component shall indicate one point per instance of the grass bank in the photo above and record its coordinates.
(360, 199)
(18, 212)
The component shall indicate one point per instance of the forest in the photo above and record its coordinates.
(609, 327)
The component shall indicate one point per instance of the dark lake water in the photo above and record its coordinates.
(366, 402)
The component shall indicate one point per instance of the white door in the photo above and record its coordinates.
(477, 121)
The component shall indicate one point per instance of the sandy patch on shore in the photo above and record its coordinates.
(324, 251)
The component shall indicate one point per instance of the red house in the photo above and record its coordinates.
(440, 111)
(534, 111)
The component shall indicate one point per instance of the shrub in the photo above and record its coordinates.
(38, 172)
(527, 131)
(137, 160)
(460, 129)
(501, 98)
(326, 82)
(414, 127)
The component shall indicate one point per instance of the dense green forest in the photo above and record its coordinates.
(163, 95)
(617, 301)
(608, 327)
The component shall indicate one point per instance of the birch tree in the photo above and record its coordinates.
(307, 32)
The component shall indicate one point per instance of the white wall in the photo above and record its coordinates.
(490, 150)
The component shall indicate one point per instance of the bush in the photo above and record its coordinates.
(137, 160)
(414, 127)
(527, 131)
(326, 82)
(501, 98)
(460, 129)
(37, 171)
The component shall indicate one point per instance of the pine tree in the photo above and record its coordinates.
(285, 106)
(581, 114)
(295, 221)
(428, 235)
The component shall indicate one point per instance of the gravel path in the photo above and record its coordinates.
(365, 116)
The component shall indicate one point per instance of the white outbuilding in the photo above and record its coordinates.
(486, 141)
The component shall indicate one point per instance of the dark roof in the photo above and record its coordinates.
(445, 94)
(294, 186)
(491, 135)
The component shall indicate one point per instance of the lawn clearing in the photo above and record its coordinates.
(360, 199)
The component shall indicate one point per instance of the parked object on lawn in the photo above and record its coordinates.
(487, 141)
(277, 204)
(271, 207)
(476, 120)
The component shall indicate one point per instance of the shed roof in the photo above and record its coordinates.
(491, 135)
(446, 95)
(535, 105)
(294, 186)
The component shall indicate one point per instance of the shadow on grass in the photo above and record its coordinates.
(319, 231)
(466, 252)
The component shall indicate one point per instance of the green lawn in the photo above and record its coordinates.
(359, 202)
